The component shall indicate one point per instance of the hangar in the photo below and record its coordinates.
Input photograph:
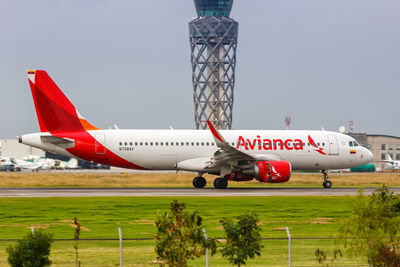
(380, 145)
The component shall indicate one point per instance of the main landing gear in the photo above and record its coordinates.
(199, 182)
(326, 183)
(220, 183)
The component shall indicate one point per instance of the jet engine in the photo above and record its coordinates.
(278, 171)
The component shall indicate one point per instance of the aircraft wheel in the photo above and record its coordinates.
(199, 182)
(220, 183)
(327, 184)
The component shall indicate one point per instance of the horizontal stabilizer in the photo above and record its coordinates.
(60, 142)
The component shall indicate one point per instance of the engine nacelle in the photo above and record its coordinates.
(278, 171)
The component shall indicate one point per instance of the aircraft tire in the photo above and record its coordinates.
(327, 184)
(220, 183)
(199, 182)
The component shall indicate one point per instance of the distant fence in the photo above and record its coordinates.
(149, 239)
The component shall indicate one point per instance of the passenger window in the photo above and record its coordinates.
(197, 143)
(146, 143)
(126, 143)
(161, 143)
(120, 143)
(323, 144)
(135, 143)
(182, 143)
(177, 143)
(141, 143)
(192, 144)
(151, 143)
(166, 143)
(207, 144)
(172, 143)
(212, 144)
(130, 144)
(156, 143)
(202, 143)
(187, 143)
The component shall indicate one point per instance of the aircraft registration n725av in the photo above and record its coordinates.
(232, 155)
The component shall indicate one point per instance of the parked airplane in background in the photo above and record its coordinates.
(17, 164)
(233, 155)
(71, 164)
(393, 164)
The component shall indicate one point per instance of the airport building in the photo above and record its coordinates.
(12, 149)
(380, 145)
(213, 41)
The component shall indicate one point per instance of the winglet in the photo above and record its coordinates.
(217, 136)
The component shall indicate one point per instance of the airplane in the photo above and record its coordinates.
(393, 164)
(71, 164)
(232, 155)
(17, 164)
(6, 164)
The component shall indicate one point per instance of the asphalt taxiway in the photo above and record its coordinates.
(131, 192)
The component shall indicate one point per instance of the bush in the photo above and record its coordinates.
(31, 251)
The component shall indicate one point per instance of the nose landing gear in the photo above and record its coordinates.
(326, 183)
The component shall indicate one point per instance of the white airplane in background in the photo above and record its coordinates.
(232, 155)
(71, 164)
(49, 164)
(393, 164)
(17, 164)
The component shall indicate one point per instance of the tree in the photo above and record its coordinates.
(372, 229)
(180, 237)
(243, 240)
(31, 251)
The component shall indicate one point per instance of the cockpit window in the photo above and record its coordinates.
(355, 143)
(350, 143)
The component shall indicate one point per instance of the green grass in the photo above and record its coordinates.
(141, 253)
(101, 217)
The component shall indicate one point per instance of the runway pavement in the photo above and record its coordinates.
(118, 192)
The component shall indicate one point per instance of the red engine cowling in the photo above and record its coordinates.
(278, 171)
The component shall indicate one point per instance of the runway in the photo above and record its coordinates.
(211, 192)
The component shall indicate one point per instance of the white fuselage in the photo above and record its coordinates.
(163, 149)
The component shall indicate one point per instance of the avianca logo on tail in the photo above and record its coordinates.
(318, 149)
(268, 144)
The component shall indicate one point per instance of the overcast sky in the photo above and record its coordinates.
(127, 62)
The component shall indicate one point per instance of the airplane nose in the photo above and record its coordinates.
(368, 155)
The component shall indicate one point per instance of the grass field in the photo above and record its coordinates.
(69, 179)
(100, 217)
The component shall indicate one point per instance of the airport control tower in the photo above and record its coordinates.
(213, 41)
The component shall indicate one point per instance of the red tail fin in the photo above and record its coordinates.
(53, 109)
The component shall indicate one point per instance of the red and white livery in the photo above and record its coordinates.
(232, 155)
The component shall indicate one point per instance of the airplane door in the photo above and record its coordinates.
(333, 145)
(100, 146)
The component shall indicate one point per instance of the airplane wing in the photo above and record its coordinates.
(229, 154)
